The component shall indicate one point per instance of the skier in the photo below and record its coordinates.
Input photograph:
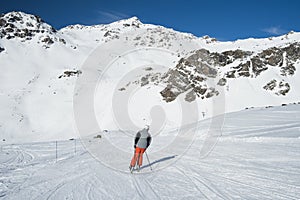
(141, 143)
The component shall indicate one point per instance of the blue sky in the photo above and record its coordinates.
(224, 20)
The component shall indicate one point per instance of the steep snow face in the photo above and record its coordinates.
(34, 101)
(40, 66)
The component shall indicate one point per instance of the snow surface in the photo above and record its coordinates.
(36, 105)
(257, 157)
(248, 154)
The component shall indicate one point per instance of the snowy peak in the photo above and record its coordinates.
(96, 34)
(26, 27)
(18, 24)
(200, 69)
(124, 23)
(209, 39)
(133, 22)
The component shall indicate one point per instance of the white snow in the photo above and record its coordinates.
(38, 106)
(257, 157)
(242, 154)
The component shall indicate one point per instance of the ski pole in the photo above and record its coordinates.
(148, 160)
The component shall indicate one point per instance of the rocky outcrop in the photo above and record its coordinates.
(192, 73)
(272, 57)
(189, 76)
(281, 88)
(169, 93)
(258, 65)
(70, 73)
(25, 27)
(200, 73)
(270, 85)
(222, 82)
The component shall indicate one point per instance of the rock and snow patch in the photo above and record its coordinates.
(26, 27)
(40, 94)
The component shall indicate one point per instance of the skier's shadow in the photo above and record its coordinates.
(158, 161)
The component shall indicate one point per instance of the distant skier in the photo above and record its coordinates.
(141, 143)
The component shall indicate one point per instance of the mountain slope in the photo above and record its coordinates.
(40, 66)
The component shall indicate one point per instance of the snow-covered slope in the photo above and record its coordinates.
(40, 67)
(256, 158)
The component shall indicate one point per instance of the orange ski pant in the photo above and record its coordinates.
(138, 156)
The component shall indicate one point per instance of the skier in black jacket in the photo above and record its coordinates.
(141, 143)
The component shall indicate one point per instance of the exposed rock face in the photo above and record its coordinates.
(258, 65)
(169, 93)
(284, 88)
(222, 82)
(272, 57)
(193, 73)
(270, 85)
(190, 75)
(198, 74)
(243, 69)
(18, 25)
(70, 73)
(281, 88)
(292, 56)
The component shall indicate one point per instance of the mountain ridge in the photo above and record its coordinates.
(40, 69)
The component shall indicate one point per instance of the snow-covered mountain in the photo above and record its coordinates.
(40, 67)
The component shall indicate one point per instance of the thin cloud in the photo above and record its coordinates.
(274, 30)
(110, 16)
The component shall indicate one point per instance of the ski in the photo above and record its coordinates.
(131, 169)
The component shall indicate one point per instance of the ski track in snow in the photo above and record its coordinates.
(245, 164)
